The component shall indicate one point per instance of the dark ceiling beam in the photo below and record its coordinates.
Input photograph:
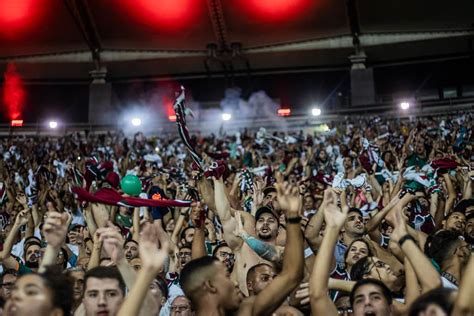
(317, 44)
(216, 14)
(82, 16)
(353, 20)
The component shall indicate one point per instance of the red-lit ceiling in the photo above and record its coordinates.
(37, 27)
(20, 16)
(258, 23)
(274, 11)
(31, 27)
(142, 24)
(166, 15)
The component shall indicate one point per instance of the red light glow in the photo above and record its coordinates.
(166, 15)
(13, 92)
(172, 118)
(17, 16)
(16, 123)
(284, 112)
(275, 10)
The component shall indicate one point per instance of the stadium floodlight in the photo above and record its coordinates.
(226, 116)
(136, 121)
(316, 111)
(404, 106)
(53, 124)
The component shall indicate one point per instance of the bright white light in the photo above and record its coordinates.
(136, 121)
(226, 116)
(316, 112)
(53, 124)
(405, 105)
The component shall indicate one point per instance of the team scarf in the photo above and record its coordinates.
(77, 176)
(372, 153)
(31, 191)
(3, 194)
(111, 196)
(246, 185)
(180, 112)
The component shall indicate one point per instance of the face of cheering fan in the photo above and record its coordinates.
(266, 226)
(31, 296)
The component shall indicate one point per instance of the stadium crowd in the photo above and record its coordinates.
(371, 217)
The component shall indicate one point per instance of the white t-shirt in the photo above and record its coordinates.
(448, 284)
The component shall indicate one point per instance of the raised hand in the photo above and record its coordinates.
(55, 228)
(258, 193)
(53, 194)
(112, 242)
(239, 226)
(400, 226)
(343, 198)
(334, 216)
(76, 238)
(464, 174)
(398, 219)
(198, 214)
(22, 218)
(153, 247)
(303, 293)
(289, 199)
(211, 230)
(21, 198)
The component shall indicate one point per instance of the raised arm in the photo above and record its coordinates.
(374, 222)
(313, 229)
(321, 304)
(426, 273)
(207, 192)
(198, 247)
(54, 232)
(223, 210)
(30, 227)
(152, 261)
(183, 213)
(5, 256)
(136, 223)
(291, 275)
(35, 214)
(466, 183)
(464, 304)
(113, 245)
(451, 194)
(94, 260)
(412, 287)
(89, 218)
(100, 214)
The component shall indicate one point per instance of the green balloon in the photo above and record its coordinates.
(131, 185)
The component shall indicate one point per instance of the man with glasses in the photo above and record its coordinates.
(184, 256)
(7, 280)
(343, 305)
(224, 254)
(181, 306)
(373, 267)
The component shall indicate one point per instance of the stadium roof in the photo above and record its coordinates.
(66, 39)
